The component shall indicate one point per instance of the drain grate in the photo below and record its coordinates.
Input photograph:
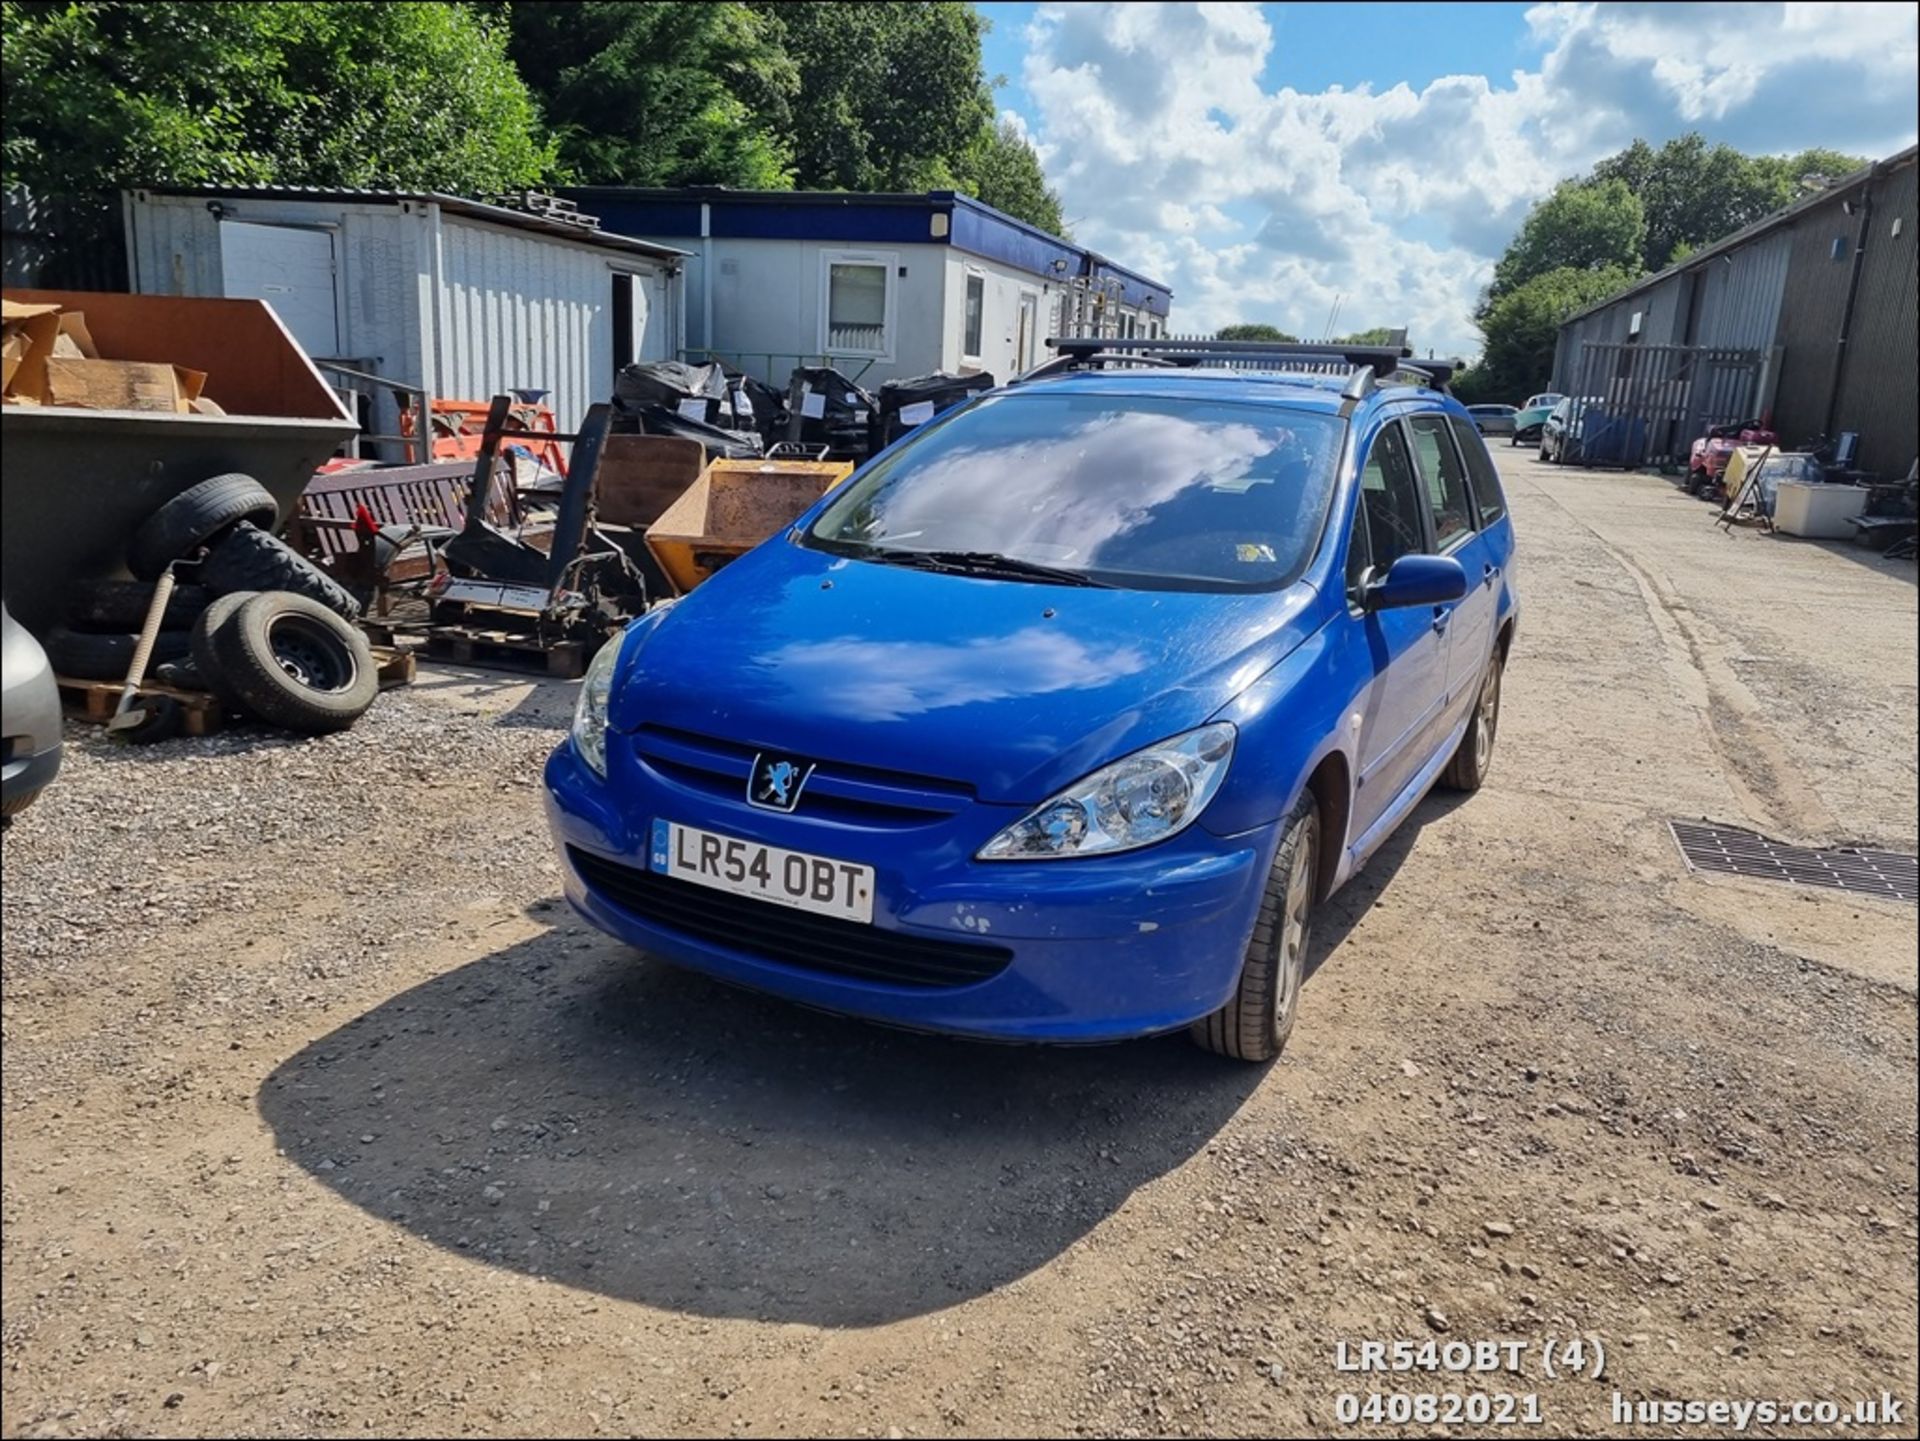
(1732, 852)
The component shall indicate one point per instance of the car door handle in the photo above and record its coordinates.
(1441, 615)
(1490, 574)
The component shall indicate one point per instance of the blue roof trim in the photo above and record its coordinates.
(858, 219)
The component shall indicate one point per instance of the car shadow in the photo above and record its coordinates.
(1336, 916)
(572, 1109)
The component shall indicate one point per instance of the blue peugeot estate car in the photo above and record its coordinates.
(1057, 720)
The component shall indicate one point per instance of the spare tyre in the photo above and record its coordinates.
(91, 655)
(296, 664)
(247, 558)
(196, 516)
(123, 604)
(206, 664)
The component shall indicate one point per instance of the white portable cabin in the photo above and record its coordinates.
(879, 286)
(457, 298)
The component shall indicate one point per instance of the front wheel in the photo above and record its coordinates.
(1467, 771)
(1255, 1023)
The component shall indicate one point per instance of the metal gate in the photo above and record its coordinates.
(1646, 404)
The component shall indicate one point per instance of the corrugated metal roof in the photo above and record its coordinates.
(450, 204)
(1758, 228)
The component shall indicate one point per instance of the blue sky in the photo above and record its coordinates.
(1268, 160)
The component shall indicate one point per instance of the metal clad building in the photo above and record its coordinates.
(461, 298)
(878, 285)
(1785, 283)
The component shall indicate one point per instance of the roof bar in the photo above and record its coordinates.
(1375, 361)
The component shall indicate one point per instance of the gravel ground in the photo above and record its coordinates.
(322, 1116)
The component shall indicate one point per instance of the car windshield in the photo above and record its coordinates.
(1122, 490)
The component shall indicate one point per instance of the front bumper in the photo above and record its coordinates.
(24, 775)
(1103, 949)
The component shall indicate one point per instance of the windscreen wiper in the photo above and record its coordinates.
(987, 562)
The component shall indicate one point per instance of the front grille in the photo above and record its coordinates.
(837, 790)
(793, 938)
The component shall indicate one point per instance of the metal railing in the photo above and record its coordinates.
(853, 367)
(418, 447)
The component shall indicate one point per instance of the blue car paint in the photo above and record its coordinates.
(1000, 693)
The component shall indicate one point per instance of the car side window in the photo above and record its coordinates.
(1390, 501)
(1482, 478)
(1445, 477)
(1359, 552)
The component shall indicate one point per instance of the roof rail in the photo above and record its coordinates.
(1369, 364)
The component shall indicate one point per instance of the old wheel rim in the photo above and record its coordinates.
(1486, 719)
(311, 654)
(1294, 928)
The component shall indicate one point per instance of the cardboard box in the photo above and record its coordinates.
(120, 384)
(31, 331)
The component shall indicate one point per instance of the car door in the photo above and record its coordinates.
(1469, 633)
(1406, 687)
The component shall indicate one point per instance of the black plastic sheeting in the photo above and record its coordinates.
(666, 397)
(826, 408)
(726, 444)
(904, 404)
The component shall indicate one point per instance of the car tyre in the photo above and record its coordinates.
(91, 655)
(206, 664)
(247, 558)
(1255, 1023)
(112, 605)
(296, 664)
(1467, 771)
(196, 516)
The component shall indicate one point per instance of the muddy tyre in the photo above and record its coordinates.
(1255, 1023)
(295, 663)
(247, 558)
(196, 516)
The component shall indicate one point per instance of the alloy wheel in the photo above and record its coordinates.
(1295, 928)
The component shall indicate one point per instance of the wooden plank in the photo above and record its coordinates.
(95, 701)
(503, 650)
(395, 666)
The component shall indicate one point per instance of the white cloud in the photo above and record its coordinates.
(1152, 121)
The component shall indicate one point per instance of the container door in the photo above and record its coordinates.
(1028, 338)
(291, 268)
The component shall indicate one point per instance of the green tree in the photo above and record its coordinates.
(1001, 168)
(1379, 335)
(1584, 225)
(1256, 332)
(323, 92)
(1693, 194)
(1522, 326)
(662, 94)
(891, 96)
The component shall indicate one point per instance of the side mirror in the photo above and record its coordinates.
(1416, 580)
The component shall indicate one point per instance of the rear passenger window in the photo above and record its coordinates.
(1445, 477)
(1481, 476)
(1390, 497)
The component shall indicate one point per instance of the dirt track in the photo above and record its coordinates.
(347, 1127)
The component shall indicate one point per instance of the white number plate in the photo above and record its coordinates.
(766, 873)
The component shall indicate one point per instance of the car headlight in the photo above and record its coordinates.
(590, 711)
(1139, 799)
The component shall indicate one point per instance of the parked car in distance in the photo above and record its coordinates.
(1528, 420)
(29, 717)
(1565, 425)
(1060, 718)
(1493, 419)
